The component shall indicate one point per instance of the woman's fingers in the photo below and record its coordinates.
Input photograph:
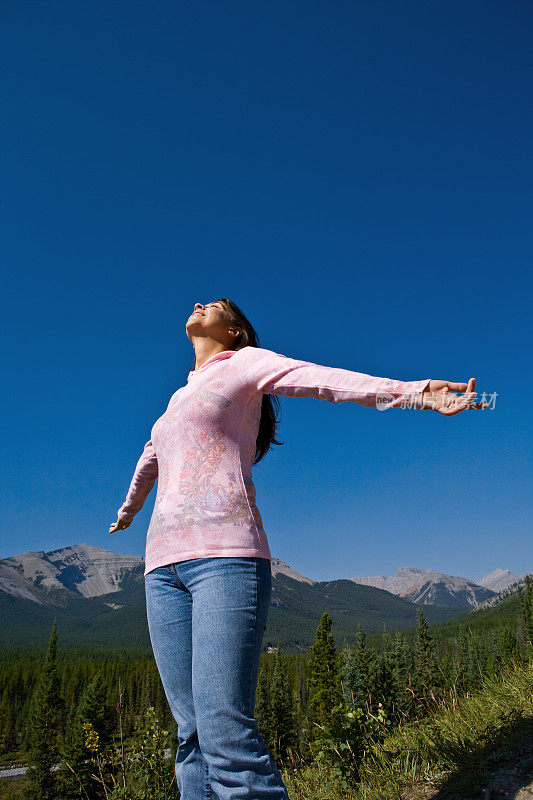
(460, 403)
(454, 408)
(458, 387)
(471, 394)
(118, 526)
(440, 399)
(452, 403)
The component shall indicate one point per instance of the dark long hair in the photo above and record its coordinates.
(270, 403)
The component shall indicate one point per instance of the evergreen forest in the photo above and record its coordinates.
(437, 704)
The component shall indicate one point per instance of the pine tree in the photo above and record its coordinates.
(281, 710)
(45, 721)
(463, 659)
(382, 679)
(403, 676)
(356, 669)
(262, 707)
(75, 767)
(525, 617)
(508, 645)
(427, 676)
(8, 739)
(324, 693)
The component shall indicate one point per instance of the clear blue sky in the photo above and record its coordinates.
(356, 176)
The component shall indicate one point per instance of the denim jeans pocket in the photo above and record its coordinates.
(167, 569)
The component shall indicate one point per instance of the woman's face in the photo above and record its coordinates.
(211, 320)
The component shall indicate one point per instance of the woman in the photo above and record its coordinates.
(207, 569)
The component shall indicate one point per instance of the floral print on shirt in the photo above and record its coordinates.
(206, 501)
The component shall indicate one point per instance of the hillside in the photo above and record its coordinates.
(98, 600)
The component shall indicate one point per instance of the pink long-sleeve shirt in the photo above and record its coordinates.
(202, 449)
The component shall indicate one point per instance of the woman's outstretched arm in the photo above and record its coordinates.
(273, 373)
(143, 479)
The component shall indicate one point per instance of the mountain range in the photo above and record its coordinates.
(97, 596)
(437, 588)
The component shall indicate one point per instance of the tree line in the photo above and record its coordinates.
(106, 722)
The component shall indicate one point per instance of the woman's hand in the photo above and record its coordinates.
(438, 397)
(119, 525)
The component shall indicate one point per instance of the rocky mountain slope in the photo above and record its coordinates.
(428, 587)
(82, 569)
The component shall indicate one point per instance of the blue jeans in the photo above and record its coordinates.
(207, 617)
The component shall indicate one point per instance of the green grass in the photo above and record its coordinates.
(12, 788)
(454, 750)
